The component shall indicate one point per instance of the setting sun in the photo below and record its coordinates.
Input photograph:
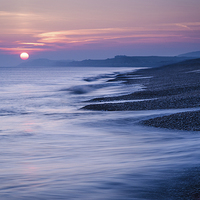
(24, 56)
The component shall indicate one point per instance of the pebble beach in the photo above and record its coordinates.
(173, 86)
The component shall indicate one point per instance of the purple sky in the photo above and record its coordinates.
(82, 29)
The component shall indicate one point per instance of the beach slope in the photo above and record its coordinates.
(168, 87)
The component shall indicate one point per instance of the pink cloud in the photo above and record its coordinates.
(69, 39)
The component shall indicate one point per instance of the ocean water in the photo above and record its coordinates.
(51, 149)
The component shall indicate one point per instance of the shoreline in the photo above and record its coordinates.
(169, 87)
(186, 121)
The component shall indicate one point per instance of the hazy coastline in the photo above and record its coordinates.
(117, 61)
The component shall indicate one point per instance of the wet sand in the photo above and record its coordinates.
(169, 87)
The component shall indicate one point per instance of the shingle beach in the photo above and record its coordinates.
(169, 87)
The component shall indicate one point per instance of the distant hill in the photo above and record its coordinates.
(43, 62)
(195, 54)
(117, 61)
(130, 61)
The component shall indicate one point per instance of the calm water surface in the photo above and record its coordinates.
(50, 149)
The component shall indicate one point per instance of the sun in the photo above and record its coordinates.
(24, 56)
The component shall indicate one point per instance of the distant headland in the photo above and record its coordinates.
(117, 61)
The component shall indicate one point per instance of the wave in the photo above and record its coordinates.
(8, 112)
(101, 76)
(83, 89)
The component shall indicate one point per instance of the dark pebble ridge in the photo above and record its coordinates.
(168, 87)
(187, 121)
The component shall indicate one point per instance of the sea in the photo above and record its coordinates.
(52, 149)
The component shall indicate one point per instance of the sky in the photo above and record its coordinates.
(97, 29)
